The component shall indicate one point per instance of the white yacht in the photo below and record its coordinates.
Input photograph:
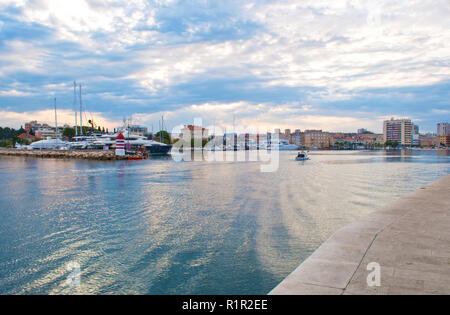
(49, 144)
(82, 142)
(283, 145)
(132, 141)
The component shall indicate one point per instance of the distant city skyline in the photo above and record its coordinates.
(331, 65)
(398, 128)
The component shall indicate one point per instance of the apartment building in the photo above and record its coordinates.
(443, 129)
(316, 139)
(398, 130)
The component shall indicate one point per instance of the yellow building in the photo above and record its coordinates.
(445, 140)
(317, 139)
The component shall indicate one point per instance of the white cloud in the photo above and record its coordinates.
(340, 47)
(352, 44)
(346, 45)
(14, 92)
(441, 111)
(76, 20)
(21, 56)
(263, 116)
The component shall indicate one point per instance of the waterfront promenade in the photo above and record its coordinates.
(409, 240)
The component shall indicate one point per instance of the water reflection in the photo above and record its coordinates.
(161, 227)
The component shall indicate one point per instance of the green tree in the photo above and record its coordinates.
(20, 140)
(68, 132)
(86, 130)
(162, 136)
(9, 133)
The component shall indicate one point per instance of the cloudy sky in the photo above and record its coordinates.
(331, 64)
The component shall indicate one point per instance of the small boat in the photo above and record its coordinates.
(137, 157)
(302, 156)
(142, 154)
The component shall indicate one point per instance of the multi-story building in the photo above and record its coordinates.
(337, 138)
(298, 137)
(415, 135)
(316, 139)
(136, 129)
(287, 135)
(443, 129)
(429, 141)
(416, 139)
(45, 133)
(445, 140)
(399, 131)
(34, 126)
(370, 139)
(29, 126)
(44, 130)
(364, 131)
(282, 136)
(191, 132)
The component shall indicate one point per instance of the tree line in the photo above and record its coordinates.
(9, 133)
(9, 136)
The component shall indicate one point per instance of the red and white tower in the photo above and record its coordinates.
(120, 144)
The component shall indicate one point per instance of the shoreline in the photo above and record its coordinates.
(408, 239)
(65, 154)
(101, 155)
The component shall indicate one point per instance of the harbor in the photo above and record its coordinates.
(230, 155)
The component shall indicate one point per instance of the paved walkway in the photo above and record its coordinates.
(409, 239)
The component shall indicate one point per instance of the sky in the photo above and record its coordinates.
(336, 65)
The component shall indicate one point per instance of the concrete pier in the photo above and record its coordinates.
(409, 240)
(63, 154)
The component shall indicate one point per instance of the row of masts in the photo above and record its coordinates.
(75, 104)
(75, 109)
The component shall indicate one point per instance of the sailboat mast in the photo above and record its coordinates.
(81, 114)
(56, 122)
(75, 106)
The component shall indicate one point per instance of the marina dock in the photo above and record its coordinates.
(65, 154)
(409, 241)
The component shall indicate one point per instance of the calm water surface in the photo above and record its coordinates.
(162, 227)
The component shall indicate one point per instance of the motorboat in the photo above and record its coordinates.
(82, 142)
(302, 156)
(49, 144)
